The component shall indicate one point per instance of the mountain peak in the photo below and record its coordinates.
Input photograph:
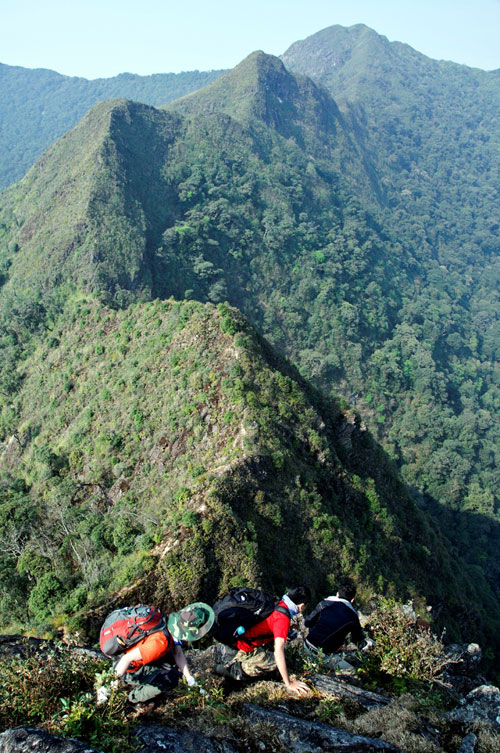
(340, 43)
(235, 92)
(353, 59)
(260, 87)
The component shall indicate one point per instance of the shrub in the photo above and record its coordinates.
(54, 689)
(44, 596)
(190, 518)
(402, 648)
(31, 687)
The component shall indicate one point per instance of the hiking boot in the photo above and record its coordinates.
(234, 671)
(142, 709)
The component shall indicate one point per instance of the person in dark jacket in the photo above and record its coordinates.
(330, 623)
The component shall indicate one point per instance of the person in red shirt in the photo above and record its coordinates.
(251, 658)
(155, 664)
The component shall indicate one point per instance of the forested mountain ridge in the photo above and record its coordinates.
(260, 87)
(165, 447)
(255, 191)
(38, 106)
(107, 204)
(432, 130)
(423, 364)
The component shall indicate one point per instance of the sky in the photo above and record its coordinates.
(101, 38)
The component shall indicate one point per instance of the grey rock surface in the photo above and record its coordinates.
(153, 738)
(468, 744)
(481, 704)
(302, 736)
(33, 740)
(330, 687)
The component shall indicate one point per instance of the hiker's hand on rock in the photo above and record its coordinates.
(298, 687)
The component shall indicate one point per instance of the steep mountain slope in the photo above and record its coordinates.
(130, 222)
(260, 91)
(39, 106)
(259, 87)
(168, 448)
(252, 191)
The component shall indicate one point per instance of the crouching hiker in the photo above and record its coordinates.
(152, 659)
(248, 620)
(330, 623)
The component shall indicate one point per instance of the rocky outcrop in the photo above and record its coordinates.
(481, 704)
(154, 738)
(21, 646)
(373, 714)
(149, 738)
(329, 687)
(468, 744)
(302, 736)
(464, 659)
(32, 740)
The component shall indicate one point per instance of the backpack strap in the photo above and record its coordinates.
(170, 638)
(283, 610)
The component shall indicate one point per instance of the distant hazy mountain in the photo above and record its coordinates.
(37, 106)
(430, 128)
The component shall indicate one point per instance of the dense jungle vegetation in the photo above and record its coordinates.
(359, 235)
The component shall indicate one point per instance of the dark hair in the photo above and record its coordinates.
(299, 594)
(347, 591)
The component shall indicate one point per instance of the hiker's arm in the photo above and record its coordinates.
(182, 664)
(133, 655)
(293, 686)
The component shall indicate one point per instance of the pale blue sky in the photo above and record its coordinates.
(101, 38)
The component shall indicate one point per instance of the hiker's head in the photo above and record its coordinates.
(347, 591)
(300, 595)
(192, 622)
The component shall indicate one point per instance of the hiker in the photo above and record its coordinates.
(154, 664)
(248, 656)
(331, 622)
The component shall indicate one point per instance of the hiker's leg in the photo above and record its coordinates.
(257, 662)
(241, 664)
(152, 680)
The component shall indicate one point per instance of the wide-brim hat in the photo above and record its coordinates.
(192, 622)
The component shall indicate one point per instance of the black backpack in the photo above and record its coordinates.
(242, 607)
